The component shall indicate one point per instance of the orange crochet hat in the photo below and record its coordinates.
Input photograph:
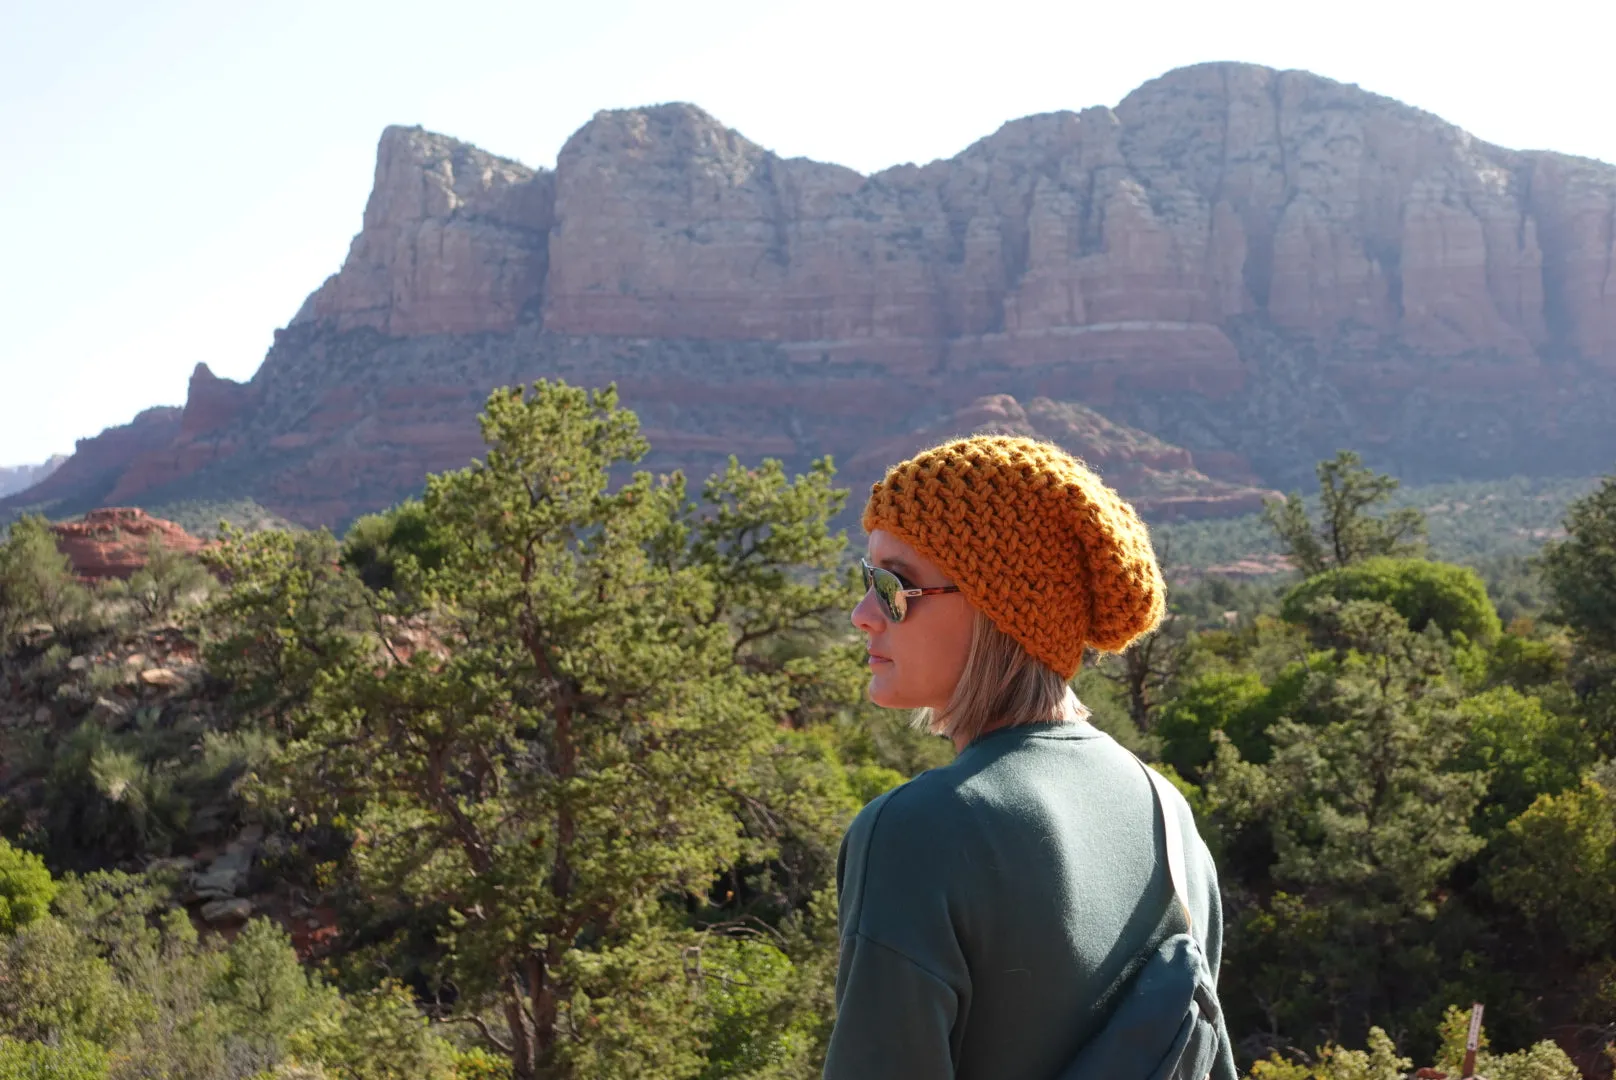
(1034, 540)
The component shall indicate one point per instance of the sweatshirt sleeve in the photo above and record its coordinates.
(901, 983)
(893, 1018)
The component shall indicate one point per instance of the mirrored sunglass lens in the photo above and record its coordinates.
(890, 590)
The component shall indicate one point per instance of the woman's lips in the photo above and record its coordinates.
(877, 658)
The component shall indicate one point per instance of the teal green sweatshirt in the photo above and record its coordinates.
(989, 909)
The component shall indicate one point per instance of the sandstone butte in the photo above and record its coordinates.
(112, 542)
(1257, 267)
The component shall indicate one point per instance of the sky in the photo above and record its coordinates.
(179, 175)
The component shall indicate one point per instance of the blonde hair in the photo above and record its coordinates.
(1001, 685)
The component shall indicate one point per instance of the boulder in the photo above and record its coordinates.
(165, 678)
(217, 882)
(222, 912)
(105, 709)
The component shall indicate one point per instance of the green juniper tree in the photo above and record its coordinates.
(37, 582)
(1368, 805)
(1452, 598)
(290, 612)
(1581, 569)
(1346, 532)
(562, 729)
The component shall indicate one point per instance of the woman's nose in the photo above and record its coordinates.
(868, 616)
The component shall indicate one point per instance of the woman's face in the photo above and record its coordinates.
(914, 664)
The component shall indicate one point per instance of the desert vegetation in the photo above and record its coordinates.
(1483, 523)
(543, 774)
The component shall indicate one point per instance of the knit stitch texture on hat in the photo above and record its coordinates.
(1035, 541)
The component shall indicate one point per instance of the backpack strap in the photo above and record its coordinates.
(1163, 792)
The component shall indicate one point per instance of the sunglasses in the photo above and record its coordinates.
(894, 592)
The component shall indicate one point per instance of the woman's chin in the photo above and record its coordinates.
(881, 692)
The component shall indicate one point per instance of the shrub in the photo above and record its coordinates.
(375, 543)
(102, 799)
(266, 996)
(745, 983)
(37, 582)
(54, 986)
(66, 1059)
(382, 1035)
(1237, 703)
(1542, 1061)
(1422, 592)
(168, 580)
(26, 888)
(1225, 701)
(479, 1064)
(1521, 661)
(1557, 866)
(1527, 750)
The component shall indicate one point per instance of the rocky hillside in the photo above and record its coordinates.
(1256, 266)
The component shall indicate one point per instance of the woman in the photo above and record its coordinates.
(994, 912)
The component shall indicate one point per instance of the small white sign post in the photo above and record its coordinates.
(1472, 1042)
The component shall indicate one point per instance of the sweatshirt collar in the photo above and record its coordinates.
(1019, 733)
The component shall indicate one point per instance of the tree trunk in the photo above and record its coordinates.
(545, 1008)
(1136, 662)
(524, 1056)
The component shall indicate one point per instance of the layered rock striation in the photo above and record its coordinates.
(1256, 266)
(1131, 236)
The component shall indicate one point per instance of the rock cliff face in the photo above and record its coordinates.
(207, 432)
(1211, 193)
(455, 241)
(1259, 267)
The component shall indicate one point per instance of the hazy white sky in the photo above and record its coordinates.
(178, 175)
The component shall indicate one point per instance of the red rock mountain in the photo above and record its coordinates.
(87, 477)
(1257, 266)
